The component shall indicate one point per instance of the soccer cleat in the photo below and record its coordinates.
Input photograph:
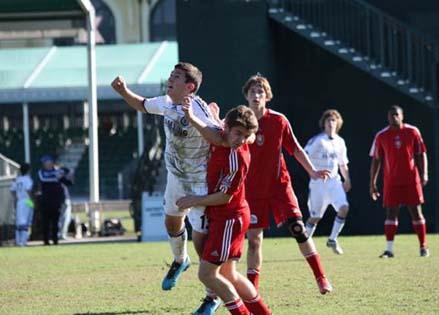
(387, 254)
(336, 248)
(324, 285)
(424, 252)
(174, 273)
(208, 307)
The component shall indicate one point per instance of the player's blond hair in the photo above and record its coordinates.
(192, 73)
(258, 79)
(242, 116)
(331, 113)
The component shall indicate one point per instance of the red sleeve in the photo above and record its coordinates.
(376, 151)
(234, 175)
(419, 145)
(289, 141)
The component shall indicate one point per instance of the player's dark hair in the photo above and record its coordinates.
(395, 108)
(258, 79)
(192, 73)
(24, 168)
(242, 116)
(331, 113)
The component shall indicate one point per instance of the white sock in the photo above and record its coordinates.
(389, 246)
(310, 228)
(179, 245)
(337, 227)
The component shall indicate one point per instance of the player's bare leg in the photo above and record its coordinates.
(311, 225)
(309, 251)
(390, 227)
(254, 255)
(178, 240)
(337, 226)
(245, 288)
(419, 225)
(211, 302)
(198, 239)
(209, 275)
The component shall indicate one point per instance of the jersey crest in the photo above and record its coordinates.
(184, 122)
(397, 142)
(260, 139)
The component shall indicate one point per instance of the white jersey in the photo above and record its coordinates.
(186, 151)
(21, 186)
(327, 153)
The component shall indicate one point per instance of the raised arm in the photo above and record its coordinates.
(374, 170)
(211, 134)
(133, 99)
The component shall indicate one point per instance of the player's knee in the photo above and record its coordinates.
(254, 244)
(207, 277)
(343, 212)
(313, 220)
(230, 275)
(297, 230)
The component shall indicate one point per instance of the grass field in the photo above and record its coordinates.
(125, 279)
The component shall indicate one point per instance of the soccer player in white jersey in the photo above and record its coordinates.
(327, 150)
(21, 189)
(186, 156)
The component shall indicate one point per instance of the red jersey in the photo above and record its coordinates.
(268, 165)
(397, 148)
(226, 171)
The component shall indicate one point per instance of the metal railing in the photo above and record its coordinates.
(384, 40)
(8, 171)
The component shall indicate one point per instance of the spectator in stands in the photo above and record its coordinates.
(21, 189)
(51, 180)
(66, 211)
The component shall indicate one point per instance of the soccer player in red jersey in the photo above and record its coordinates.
(228, 213)
(401, 149)
(268, 185)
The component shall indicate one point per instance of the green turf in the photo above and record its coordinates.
(125, 279)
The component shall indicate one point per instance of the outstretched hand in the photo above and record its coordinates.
(186, 202)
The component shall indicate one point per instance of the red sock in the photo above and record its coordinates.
(257, 306)
(253, 276)
(390, 228)
(313, 260)
(237, 307)
(421, 229)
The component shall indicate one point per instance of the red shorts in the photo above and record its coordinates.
(283, 204)
(409, 195)
(225, 238)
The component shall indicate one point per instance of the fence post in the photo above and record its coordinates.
(381, 41)
(409, 55)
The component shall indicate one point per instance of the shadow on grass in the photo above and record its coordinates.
(115, 313)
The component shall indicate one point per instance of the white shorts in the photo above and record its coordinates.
(175, 189)
(322, 194)
(24, 214)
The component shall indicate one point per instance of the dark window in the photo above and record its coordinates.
(106, 29)
(163, 25)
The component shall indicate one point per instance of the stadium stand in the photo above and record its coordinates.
(58, 92)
